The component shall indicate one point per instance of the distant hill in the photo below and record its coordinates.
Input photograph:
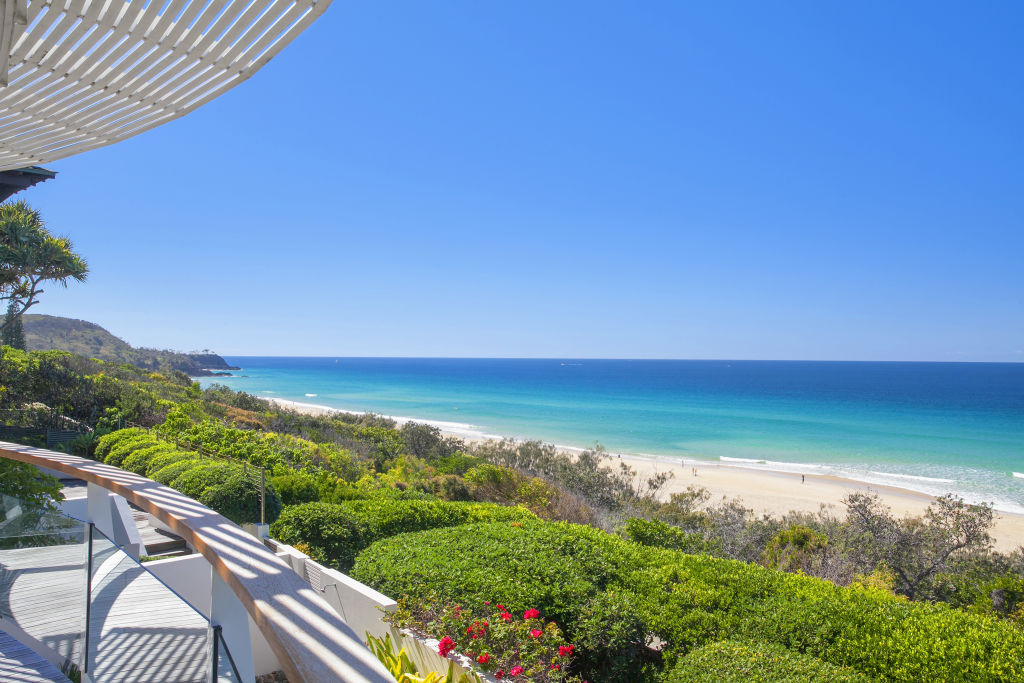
(45, 332)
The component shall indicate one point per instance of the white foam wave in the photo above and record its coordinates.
(301, 404)
(933, 486)
(774, 465)
(310, 395)
(461, 429)
(915, 477)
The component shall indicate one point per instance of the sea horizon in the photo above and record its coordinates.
(927, 426)
(632, 360)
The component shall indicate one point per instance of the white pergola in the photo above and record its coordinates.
(80, 74)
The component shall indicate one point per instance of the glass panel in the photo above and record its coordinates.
(42, 575)
(226, 672)
(139, 629)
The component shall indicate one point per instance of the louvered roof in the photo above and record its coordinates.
(82, 74)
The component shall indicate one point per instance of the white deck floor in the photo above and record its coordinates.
(20, 664)
(139, 630)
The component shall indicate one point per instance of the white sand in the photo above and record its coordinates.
(777, 493)
(773, 493)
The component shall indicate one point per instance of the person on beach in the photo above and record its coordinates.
(801, 478)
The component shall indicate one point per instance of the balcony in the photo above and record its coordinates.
(74, 595)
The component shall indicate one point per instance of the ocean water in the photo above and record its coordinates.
(930, 427)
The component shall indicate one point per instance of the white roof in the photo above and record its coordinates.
(82, 74)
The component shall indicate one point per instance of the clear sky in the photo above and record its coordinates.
(796, 180)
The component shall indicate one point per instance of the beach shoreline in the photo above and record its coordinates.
(764, 491)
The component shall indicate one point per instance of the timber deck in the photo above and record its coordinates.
(139, 629)
(21, 664)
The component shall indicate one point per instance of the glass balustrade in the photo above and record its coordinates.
(67, 586)
(223, 664)
(43, 567)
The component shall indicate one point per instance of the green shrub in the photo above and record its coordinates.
(694, 600)
(138, 461)
(796, 548)
(108, 441)
(329, 530)
(612, 637)
(169, 473)
(456, 463)
(219, 485)
(688, 601)
(265, 449)
(661, 535)
(554, 567)
(237, 497)
(734, 662)
(335, 532)
(164, 459)
(296, 488)
(343, 491)
(526, 643)
(196, 479)
(126, 447)
(447, 487)
(561, 569)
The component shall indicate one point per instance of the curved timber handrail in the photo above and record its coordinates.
(311, 641)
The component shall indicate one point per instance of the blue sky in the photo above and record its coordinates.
(579, 179)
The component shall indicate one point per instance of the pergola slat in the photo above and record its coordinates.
(88, 73)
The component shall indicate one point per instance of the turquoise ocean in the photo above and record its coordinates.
(929, 427)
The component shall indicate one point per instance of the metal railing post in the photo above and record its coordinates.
(263, 496)
(88, 602)
(213, 665)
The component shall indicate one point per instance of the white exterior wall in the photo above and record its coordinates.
(363, 608)
(191, 577)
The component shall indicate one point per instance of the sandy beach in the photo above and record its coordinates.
(777, 493)
(774, 493)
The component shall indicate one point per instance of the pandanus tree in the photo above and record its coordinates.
(30, 256)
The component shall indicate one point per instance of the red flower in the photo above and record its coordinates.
(500, 673)
(565, 650)
(500, 606)
(555, 667)
(445, 646)
(516, 670)
(531, 614)
(487, 602)
(469, 629)
(506, 616)
(484, 658)
(536, 633)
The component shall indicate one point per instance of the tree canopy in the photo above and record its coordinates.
(31, 255)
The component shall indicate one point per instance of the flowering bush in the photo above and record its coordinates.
(614, 598)
(507, 647)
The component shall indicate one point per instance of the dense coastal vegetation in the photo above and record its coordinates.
(596, 575)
